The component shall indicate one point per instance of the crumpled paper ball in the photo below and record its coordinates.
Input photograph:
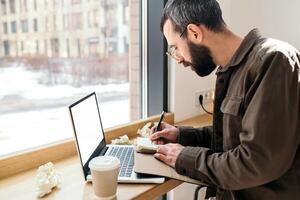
(122, 140)
(47, 179)
(145, 131)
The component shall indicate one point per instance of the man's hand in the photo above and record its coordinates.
(168, 133)
(168, 153)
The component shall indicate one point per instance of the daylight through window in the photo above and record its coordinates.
(54, 52)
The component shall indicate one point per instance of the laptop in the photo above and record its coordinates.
(90, 142)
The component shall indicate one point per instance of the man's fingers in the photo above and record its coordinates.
(159, 142)
(162, 149)
(162, 157)
(158, 134)
(154, 128)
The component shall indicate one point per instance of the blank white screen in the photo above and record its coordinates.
(88, 126)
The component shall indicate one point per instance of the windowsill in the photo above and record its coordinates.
(23, 161)
(198, 121)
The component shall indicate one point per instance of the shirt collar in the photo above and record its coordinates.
(242, 51)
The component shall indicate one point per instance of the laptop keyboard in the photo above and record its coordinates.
(125, 154)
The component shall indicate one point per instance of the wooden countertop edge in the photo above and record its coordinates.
(158, 190)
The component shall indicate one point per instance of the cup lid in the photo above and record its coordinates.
(104, 163)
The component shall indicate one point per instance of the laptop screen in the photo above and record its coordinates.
(87, 125)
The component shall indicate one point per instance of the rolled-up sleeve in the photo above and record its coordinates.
(269, 138)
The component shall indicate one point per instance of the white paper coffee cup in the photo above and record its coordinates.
(105, 170)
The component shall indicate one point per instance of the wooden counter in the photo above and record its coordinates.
(23, 185)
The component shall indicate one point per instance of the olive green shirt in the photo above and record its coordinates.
(252, 149)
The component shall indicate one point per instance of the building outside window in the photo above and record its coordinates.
(62, 61)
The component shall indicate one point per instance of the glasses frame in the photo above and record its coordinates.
(171, 51)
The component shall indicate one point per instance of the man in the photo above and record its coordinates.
(252, 149)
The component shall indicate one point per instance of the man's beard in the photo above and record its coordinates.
(201, 60)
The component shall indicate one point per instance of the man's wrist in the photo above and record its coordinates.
(177, 134)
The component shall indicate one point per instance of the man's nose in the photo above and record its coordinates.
(179, 60)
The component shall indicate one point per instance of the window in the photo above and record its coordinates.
(46, 48)
(34, 5)
(65, 24)
(46, 24)
(76, 21)
(3, 7)
(37, 47)
(68, 47)
(22, 47)
(23, 5)
(6, 47)
(58, 66)
(78, 48)
(35, 25)
(13, 27)
(5, 28)
(54, 23)
(24, 26)
(75, 1)
(12, 6)
(55, 47)
(92, 18)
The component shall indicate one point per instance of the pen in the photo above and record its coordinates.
(160, 120)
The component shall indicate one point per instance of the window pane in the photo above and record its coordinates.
(3, 7)
(64, 50)
(5, 28)
(24, 26)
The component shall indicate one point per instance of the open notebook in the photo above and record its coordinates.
(147, 164)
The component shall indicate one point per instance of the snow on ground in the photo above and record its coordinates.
(27, 129)
(18, 80)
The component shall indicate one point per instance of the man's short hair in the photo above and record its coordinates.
(184, 12)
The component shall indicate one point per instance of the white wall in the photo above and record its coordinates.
(274, 18)
(183, 84)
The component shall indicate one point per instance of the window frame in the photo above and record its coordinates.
(154, 67)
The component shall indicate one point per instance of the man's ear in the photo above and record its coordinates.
(195, 33)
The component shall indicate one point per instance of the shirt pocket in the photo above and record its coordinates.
(232, 121)
(231, 105)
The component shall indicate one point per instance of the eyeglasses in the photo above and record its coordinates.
(182, 32)
(172, 50)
